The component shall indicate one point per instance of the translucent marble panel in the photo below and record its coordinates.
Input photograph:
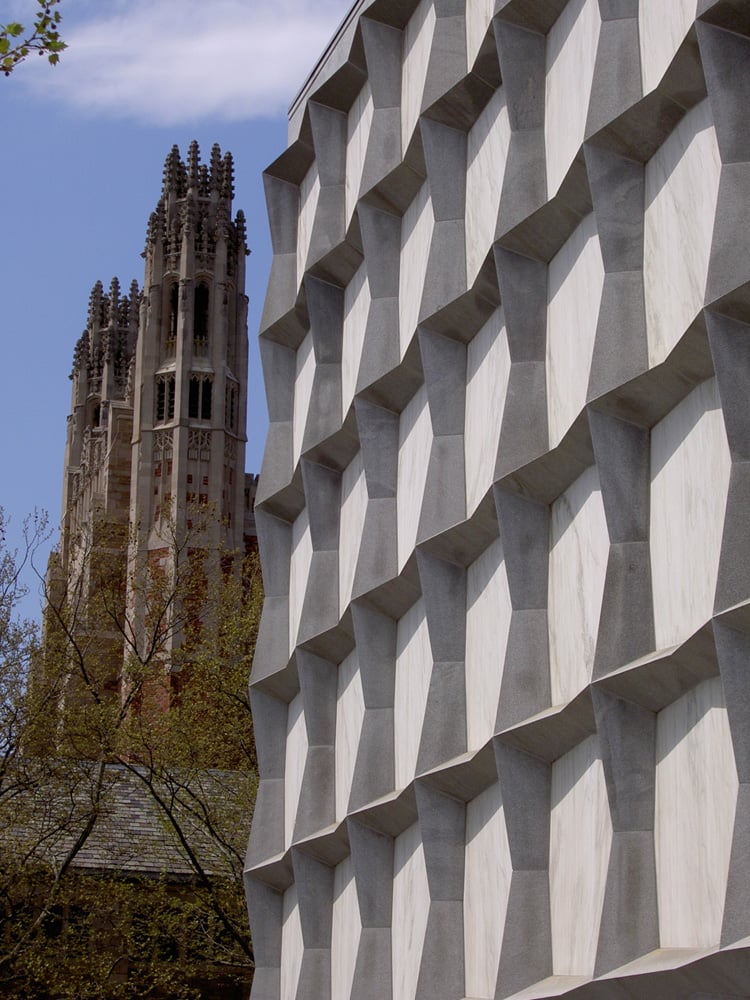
(350, 713)
(682, 184)
(580, 842)
(416, 56)
(487, 151)
(478, 17)
(413, 672)
(345, 931)
(662, 27)
(294, 765)
(353, 509)
(579, 550)
(488, 611)
(487, 370)
(309, 190)
(356, 309)
(416, 236)
(574, 289)
(358, 125)
(414, 444)
(299, 570)
(303, 383)
(690, 467)
(292, 946)
(571, 55)
(411, 905)
(696, 796)
(487, 876)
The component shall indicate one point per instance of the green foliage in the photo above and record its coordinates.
(43, 37)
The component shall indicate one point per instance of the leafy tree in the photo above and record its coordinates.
(86, 744)
(17, 41)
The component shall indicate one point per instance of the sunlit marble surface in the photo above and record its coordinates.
(486, 886)
(571, 56)
(358, 122)
(580, 841)
(345, 931)
(579, 543)
(299, 569)
(414, 445)
(309, 190)
(356, 309)
(413, 671)
(488, 612)
(350, 712)
(411, 906)
(486, 153)
(291, 945)
(487, 370)
(294, 764)
(696, 795)
(662, 26)
(690, 467)
(353, 509)
(682, 183)
(415, 59)
(575, 282)
(416, 234)
(303, 383)
(478, 17)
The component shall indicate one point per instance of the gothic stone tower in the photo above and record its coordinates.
(190, 384)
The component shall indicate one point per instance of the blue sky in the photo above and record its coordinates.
(83, 145)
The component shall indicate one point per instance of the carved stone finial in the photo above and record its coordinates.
(227, 181)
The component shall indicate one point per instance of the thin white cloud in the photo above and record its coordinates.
(169, 62)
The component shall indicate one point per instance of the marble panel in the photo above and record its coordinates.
(414, 446)
(358, 124)
(412, 685)
(662, 27)
(574, 291)
(294, 764)
(696, 795)
(416, 235)
(351, 523)
(356, 309)
(415, 60)
(580, 842)
(292, 945)
(488, 613)
(487, 875)
(299, 569)
(486, 154)
(479, 14)
(571, 56)
(410, 911)
(487, 371)
(579, 550)
(345, 931)
(303, 383)
(309, 190)
(690, 468)
(682, 184)
(350, 713)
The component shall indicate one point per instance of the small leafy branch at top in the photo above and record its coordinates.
(16, 41)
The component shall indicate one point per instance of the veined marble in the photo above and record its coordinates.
(571, 57)
(345, 931)
(580, 842)
(579, 551)
(690, 467)
(309, 190)
(353, 510)
(350, 713)
(356, 309)
(292, 945)
(696, 797)
(414, 445)
(487, 875)
(303, 384)
(682, 185)
(488, 613)
(416, 234)
(662, 28)
(294, 764)
(487, 150)
(574, 288)
(413, 672)
(478, 22)
(416, 56)
(299, 570)
(411, 906)
(358, 124)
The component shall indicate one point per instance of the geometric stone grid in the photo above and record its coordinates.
(501, 689)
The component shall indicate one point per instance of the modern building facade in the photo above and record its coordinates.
(501, 688)
(156, 434)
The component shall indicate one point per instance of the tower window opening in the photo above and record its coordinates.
(199, 398)
(231, 406)
(200, 320)
(165, 397)
(174, 298)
